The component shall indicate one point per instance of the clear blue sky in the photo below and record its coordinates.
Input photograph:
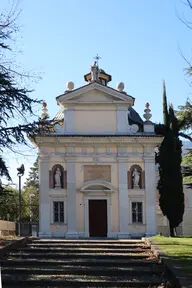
(137, 40)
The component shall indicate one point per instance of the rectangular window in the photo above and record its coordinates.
(137, 212)
(58, 211)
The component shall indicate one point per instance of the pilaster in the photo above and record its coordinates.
(71, 193)
(69, 120)
(122, 119)
(123, 198)
(150, 188)
(44, 202)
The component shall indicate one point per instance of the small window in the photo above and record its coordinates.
(137, 212)
(58, 211)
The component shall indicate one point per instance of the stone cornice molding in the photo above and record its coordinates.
(108, 187)
(58, 195)
(149, 159)
(47, 140)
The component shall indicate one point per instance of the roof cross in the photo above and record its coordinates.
(97, 58)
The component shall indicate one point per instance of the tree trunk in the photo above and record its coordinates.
(172, 230)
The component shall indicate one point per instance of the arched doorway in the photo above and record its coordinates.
(97, 200)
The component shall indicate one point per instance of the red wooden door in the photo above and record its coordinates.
(98, 218)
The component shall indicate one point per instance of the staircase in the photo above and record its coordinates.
(82, 263)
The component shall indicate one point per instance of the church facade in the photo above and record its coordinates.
(97, 165)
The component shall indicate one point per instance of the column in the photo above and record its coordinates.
(123, 199)
(44, 201)
(150, 190)
(71, 194)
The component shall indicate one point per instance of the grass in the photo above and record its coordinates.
(179, 251)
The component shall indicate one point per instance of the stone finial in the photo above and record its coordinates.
(120, 86)
(147, 115)
(70, 85)
(44, 114)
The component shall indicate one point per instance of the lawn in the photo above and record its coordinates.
(179, 250)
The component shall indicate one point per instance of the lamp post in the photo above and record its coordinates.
(30, 208)
(21, 171)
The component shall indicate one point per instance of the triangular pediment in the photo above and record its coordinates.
(95, 93)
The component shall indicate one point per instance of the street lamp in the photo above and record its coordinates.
(21, 171)
(30, 208)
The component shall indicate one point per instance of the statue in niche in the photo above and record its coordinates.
(136, 178)
(58, 177)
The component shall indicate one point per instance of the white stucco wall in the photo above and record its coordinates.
(91, 119)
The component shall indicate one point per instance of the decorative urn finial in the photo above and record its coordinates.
(147, 115)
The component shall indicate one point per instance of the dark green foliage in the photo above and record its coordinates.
(184, 114)
(33, 179)
(16, 107)
(31, 187)
(165, 109)
(170, 183)
(169, 158)
(187, 169)
(9, 205)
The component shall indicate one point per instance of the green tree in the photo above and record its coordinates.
(15, 103)
(31, 193)
(187, 168)
(33, 179)
(169, 158)
(165, 109)
(9, 203)
(184, 114)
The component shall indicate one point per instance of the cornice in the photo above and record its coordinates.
(66, 98)
(83, 140)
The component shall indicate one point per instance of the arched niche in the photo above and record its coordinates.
(63, 177)
(141, 183)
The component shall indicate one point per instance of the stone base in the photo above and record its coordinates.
(123, 235)
(44, 235)
(72, 235)
(150, 234)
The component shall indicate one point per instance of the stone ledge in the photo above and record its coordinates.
(167, 262)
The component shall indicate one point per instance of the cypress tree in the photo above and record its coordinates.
(165, 109)
(170, 184)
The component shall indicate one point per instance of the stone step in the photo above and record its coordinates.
(80, 261)
(79, 281)
(88, 245)
(83, 270)
(54, 255)
(88, 241)
(83, 250)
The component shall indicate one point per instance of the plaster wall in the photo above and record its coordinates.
(95, 119)
(187, 218)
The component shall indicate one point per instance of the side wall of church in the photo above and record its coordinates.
(187, 223)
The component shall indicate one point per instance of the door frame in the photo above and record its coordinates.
(86, 205)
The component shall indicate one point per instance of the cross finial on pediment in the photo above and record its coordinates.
(97, 58)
